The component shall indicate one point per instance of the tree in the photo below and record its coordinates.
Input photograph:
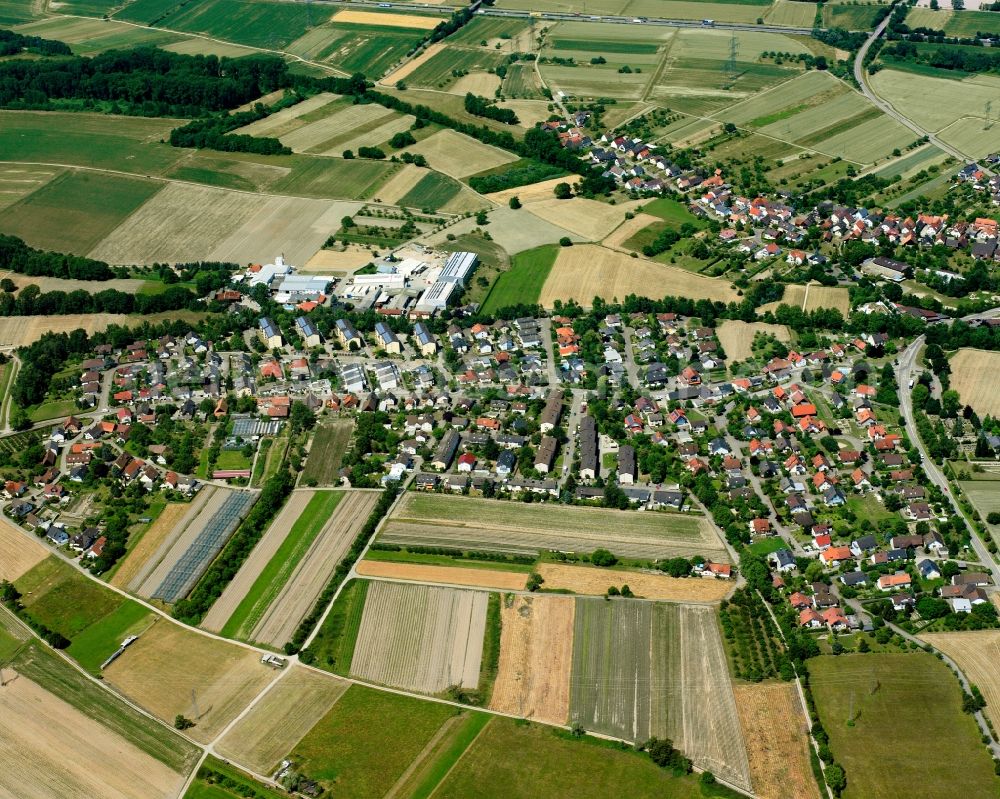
(514, 202)
(836, 778)
(481, 218)
(182, 722)
(563, 191)
(603, 558)
(565, 241)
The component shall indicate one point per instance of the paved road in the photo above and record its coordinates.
(906, 369)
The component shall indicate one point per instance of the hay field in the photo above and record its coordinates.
(310, 576)
(452, 575)
(974, 377)
(777, 738)
(595, 581)
(288, 119)
(529, 112)
(49, 748)
(484, 84)
(421, 638)
(458, 155)
(168, 663)
(584, 272)
(150, 542)
(536, 657)
(281, 719)
(486, 524)
(737, 337)
(589, 219)
(387, 20)
(533, 191)
(19, 551)
(19, 181)
(977, 654)
(813, 297)
(617, 238)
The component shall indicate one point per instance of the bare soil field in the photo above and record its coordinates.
(259, 557)
(411, 66)
(171, 671)
(453, 575)
(587, 218)
(19, 551)
(533, 191)
(536, 657)
(595, 581)
(482, 83)
(421, 638)
(777, 739)
(288, 118)
(617, 238)
(458, 155)
(977, 654)
(737, 337)
(281, 719)
(348, 260)
(51, 750)
(19, 181)
(974, 375)
(583, 272)
(388, 20)
(150, 542)
(310, 577)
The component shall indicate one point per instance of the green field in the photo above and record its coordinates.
(232, 459)
(76, 210)
(523, 282)
(482, 29)
(274, 576)
(207, 784)
(367, 740)
(437, 72)
(14, 12)
(446, 753)
(326, 452)
(673, 212)
(963, 24)
(44, 667)
(62, 599)
(850, 17)
(333, 647)
(432, 191)
(93, 646)
(907, 729)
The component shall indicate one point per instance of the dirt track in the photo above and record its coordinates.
(305, 585)
(261, 555)
(455, 575)
(591, 580)
(50, 750)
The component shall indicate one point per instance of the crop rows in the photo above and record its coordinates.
(752, 637)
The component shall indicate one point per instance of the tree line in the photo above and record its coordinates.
(17, 256)
(15, 43)
(32, 301)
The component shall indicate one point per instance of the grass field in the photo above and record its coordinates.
(90, 36)
(233, 785)
(98, 641)
(431, 192)
(522, 283)
(908, 726)
(973, 376)
(964, 24)
(334, 645)
(849, 16)
(329, 444)
(438, 72)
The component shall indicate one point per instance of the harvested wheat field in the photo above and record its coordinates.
(977, 654)
(19, 331)
(150, 542)
(19, 181)
(19, 551)
(594, 581)
(617, 238)
(128, 285)
(587, 218)
(281, 719)
(171, 671)
(484, 84)
(529, 112)
(420, 637)
(400, 184)
(586, 271)
(813, 297)
(259, 557)
(412, 65)
(458, 155)
(387, 20)
(311, 575)
(737, 337)
(533, 191)
(346, 260)
(51, 750)
(777, 739)
(975, 375)
(536, 657)
(287, 119)
(452, 575)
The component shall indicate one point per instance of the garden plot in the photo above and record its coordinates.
(421, 638)
(484, 524)
(172, 671)
(307, 581)
(19, 551)
(974, 377)
(536, 656)
(281, 719)
(288, 119)
(458, 155)
(584, 272)
(49, 748)
(737, 337)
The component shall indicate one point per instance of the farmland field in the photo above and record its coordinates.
(433, 191)
(294, 600)
(365, 743)
(98, 641)
(536, 656)
(458, 155)
(592, 580)
(21, 552)
(328, 446)
(437, 72)
(75, 210)
(674, 653)
(281, 719)
(270, 564)
(584, 272)
(294, 117)
(137, 556)
(523, 282)
(893, 740)
(587, 218)
(777, 737)
(850, 16)
(976, 654)
(171, 670)
(421, 638)
(453, 575)
(737, 337)
(90, 36)
(19, 181)
(813, 297)
(973, 376)
(441, 520)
